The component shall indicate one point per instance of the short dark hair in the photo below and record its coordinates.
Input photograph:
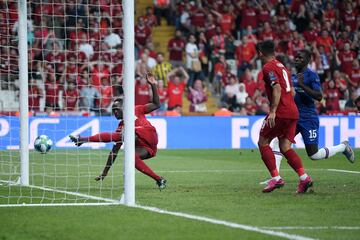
(307, 54)
(266, 47)
(119, 100)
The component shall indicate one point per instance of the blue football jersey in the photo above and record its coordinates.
(305, 103)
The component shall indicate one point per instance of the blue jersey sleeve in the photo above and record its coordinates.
(315, 81)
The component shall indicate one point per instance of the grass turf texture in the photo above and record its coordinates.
(221, 184)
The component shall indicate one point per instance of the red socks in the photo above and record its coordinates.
(268, 158)
(105, 137)
(294, 161)
(142, 167)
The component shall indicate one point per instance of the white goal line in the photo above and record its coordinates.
(90, 197)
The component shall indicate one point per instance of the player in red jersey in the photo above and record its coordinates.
(146, 138)
(281, 120)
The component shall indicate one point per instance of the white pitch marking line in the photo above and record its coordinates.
(67, 192)
(228, 170)
(314, 228)
(344, 171)
(58, 204)
(226, 223)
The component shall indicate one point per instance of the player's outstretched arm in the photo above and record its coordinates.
(315, 94)
(276, 94)
(110, 161)
(155, 103)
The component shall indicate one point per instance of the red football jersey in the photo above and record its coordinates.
(140, 120)
(276, 73)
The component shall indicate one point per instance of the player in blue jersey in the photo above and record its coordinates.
(307, 89)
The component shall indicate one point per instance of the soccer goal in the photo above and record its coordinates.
(62, 64)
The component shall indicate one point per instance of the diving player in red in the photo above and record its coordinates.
(281, 120)
(146, 138)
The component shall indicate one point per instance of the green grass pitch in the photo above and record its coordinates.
(219, 184)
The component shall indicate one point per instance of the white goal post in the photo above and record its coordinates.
(65, 175)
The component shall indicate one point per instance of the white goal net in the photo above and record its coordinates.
(75, 70)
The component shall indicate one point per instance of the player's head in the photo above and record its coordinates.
(266, 49)
(302, 59)
(117, 108)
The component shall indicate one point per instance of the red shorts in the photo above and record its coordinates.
(284, 128)
(147, 138)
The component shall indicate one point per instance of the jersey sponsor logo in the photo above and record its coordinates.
(272, 76)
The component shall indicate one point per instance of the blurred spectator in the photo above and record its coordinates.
(198, 97)
(193, 63)
(267, 33)
(142, 66)
(85, 47)
(177, 80)
(204, 53)
(245, 55)
(162, 68)
(331, 95)
(99, 71)
(149, 18)
(241, 95)
(217, 45)
(89, 97)
(52, 90)
(350, 104)
(325, 41)
(142, 91)
(350, 16)
(249, 17)
(230, 92)
(107, 93)
(176, 47)
(219, 80)
(357, 103)
(249, 82)
(341, 84)
(226, 20)
(163, 95)
(70, 98)
(35, 93)
(142, 34)
(345, 59)
(56, 57)
(355, 74)
(250, 106)
(301, 20)
(162, 8)
(113, 40)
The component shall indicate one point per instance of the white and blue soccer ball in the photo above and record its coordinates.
(43, 144)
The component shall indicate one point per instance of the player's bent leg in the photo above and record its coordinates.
(305, 181)
(140, 154)
(269, 160)
(327, 152)
(348, 152)
(278, 157)
(101, 137)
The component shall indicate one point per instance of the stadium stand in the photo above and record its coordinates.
(226, 30)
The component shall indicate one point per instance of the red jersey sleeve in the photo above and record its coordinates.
(140, 110)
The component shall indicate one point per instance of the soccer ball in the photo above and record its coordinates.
(43, 144)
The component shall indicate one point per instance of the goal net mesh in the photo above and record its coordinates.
(75, 71)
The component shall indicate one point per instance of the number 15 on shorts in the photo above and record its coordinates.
(312, 134)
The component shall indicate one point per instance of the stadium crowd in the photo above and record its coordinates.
(76, 49)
